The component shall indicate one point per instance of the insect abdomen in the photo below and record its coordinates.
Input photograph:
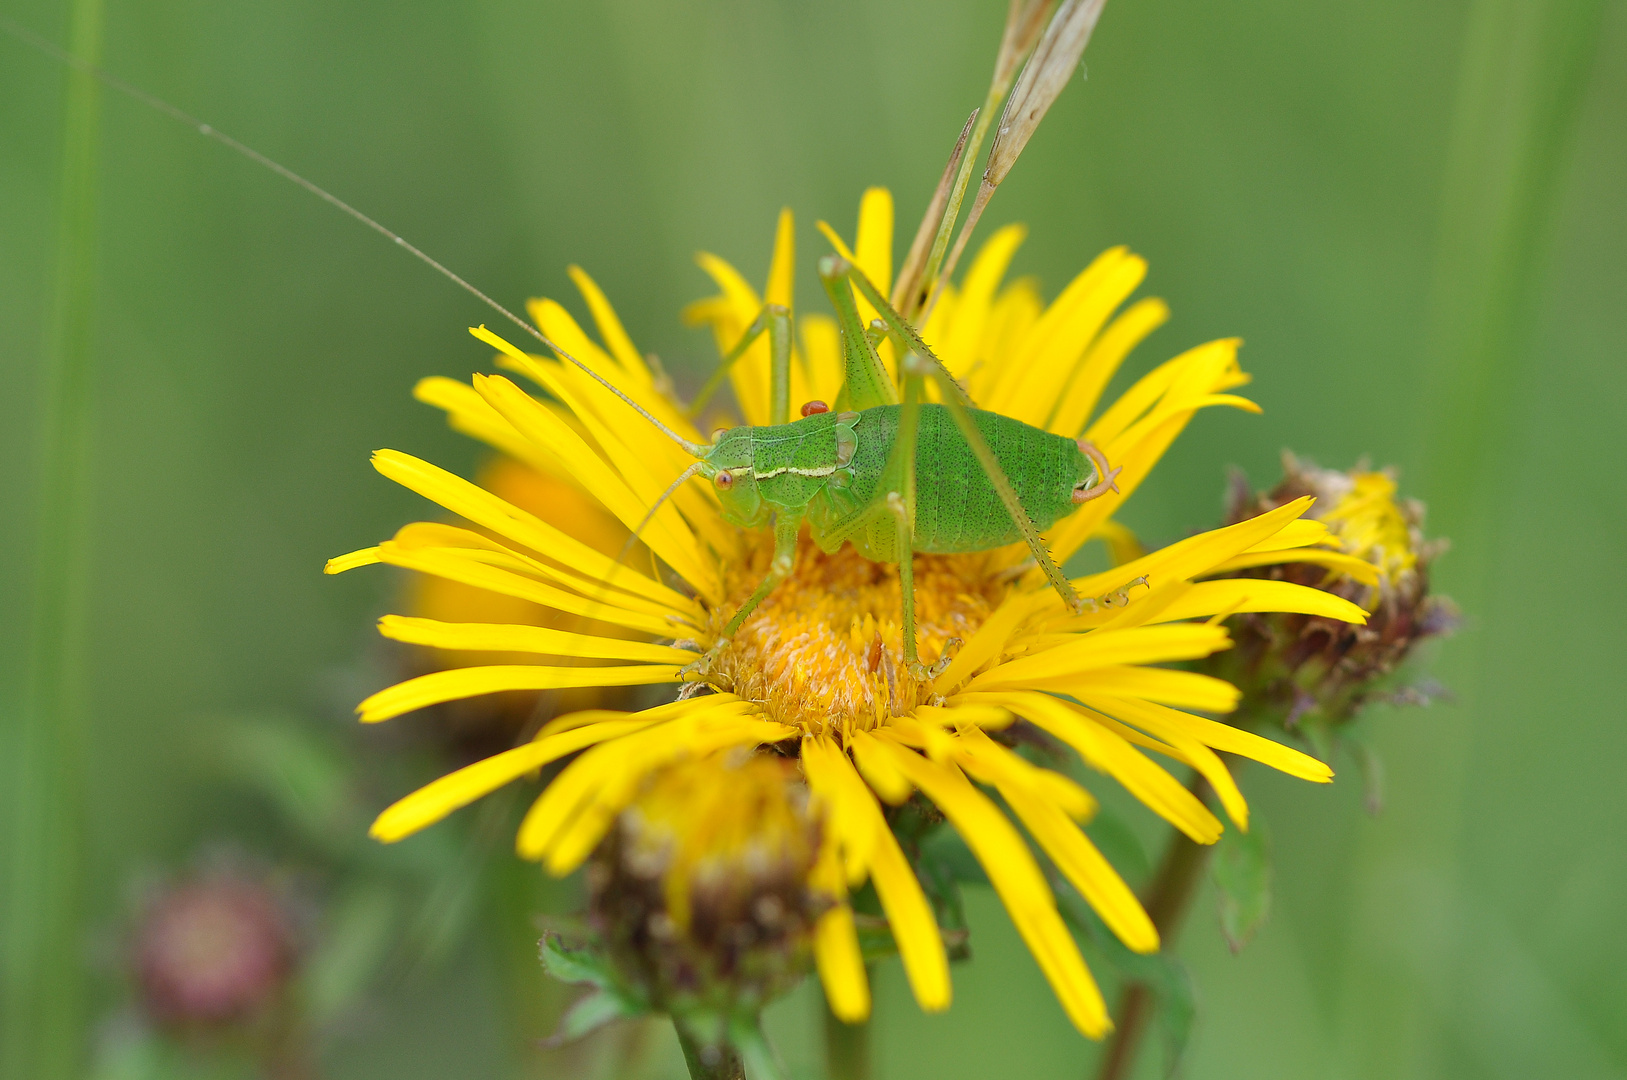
(957, 508)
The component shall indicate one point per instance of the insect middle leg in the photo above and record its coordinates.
(918, 363)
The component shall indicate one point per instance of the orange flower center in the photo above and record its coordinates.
(825, 650)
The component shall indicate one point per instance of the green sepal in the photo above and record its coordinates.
(1241, 870)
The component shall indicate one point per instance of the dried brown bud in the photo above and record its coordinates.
(701, 890)
(1302, 670)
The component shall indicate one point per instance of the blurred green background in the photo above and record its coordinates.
(1414, 214)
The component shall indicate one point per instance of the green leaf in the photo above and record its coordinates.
(1177, 1011)
(569, 965)
(353, 945)
(1242, 874)
(1161, 973)
(1119, 845)
(590, 1013)
(303, 775)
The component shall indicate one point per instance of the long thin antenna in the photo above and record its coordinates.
(50, 48)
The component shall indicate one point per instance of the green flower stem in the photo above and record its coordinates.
(41, 946)
(847, 1047)
(726, 1066)
(1166, 900)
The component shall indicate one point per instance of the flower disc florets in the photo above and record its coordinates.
(824, 653)
(701, 889)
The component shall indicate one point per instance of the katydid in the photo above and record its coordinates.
(855, 475)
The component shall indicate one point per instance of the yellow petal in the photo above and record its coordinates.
(1105, 750)
(1349, 565)
(749, 376)
(992, 763)
(1083, 865)
(341, 563)
(457, 565)
(467, 412)
(1235, 595)
(1233, 740)
(879, 771)
(914, 927)
(434, 801)
(841, 965)
(477, 547)
(578, 836)
(1161, 722)
(672, 542)
(1102, 362)
(1016, 878)
(1182, 689)
(873, 244)
(509, 637)
(974, 305)
(611, 331)
(1104, 648)
(1058, 345)
(1195, 555)
(782, 265)
(441, 686)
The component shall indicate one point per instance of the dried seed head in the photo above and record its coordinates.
(1054, 61)
(701, 891)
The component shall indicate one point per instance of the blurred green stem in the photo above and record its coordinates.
(700, 1059)
(847, 1046)
(1166, 900)
(41, 1007)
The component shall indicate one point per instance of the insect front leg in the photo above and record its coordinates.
(774, 320)
(902, 502)
(786, 525)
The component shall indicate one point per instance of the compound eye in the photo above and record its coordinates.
(724, 480)
(809, 408)
(718, 433)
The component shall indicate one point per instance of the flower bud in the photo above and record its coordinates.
(213, 951)
(701, 889)
(1304, 669)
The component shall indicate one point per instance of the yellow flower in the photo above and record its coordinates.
(706, 888)
(817, 669)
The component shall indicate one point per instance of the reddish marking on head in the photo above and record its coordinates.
(724, 480)
(814, 406)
